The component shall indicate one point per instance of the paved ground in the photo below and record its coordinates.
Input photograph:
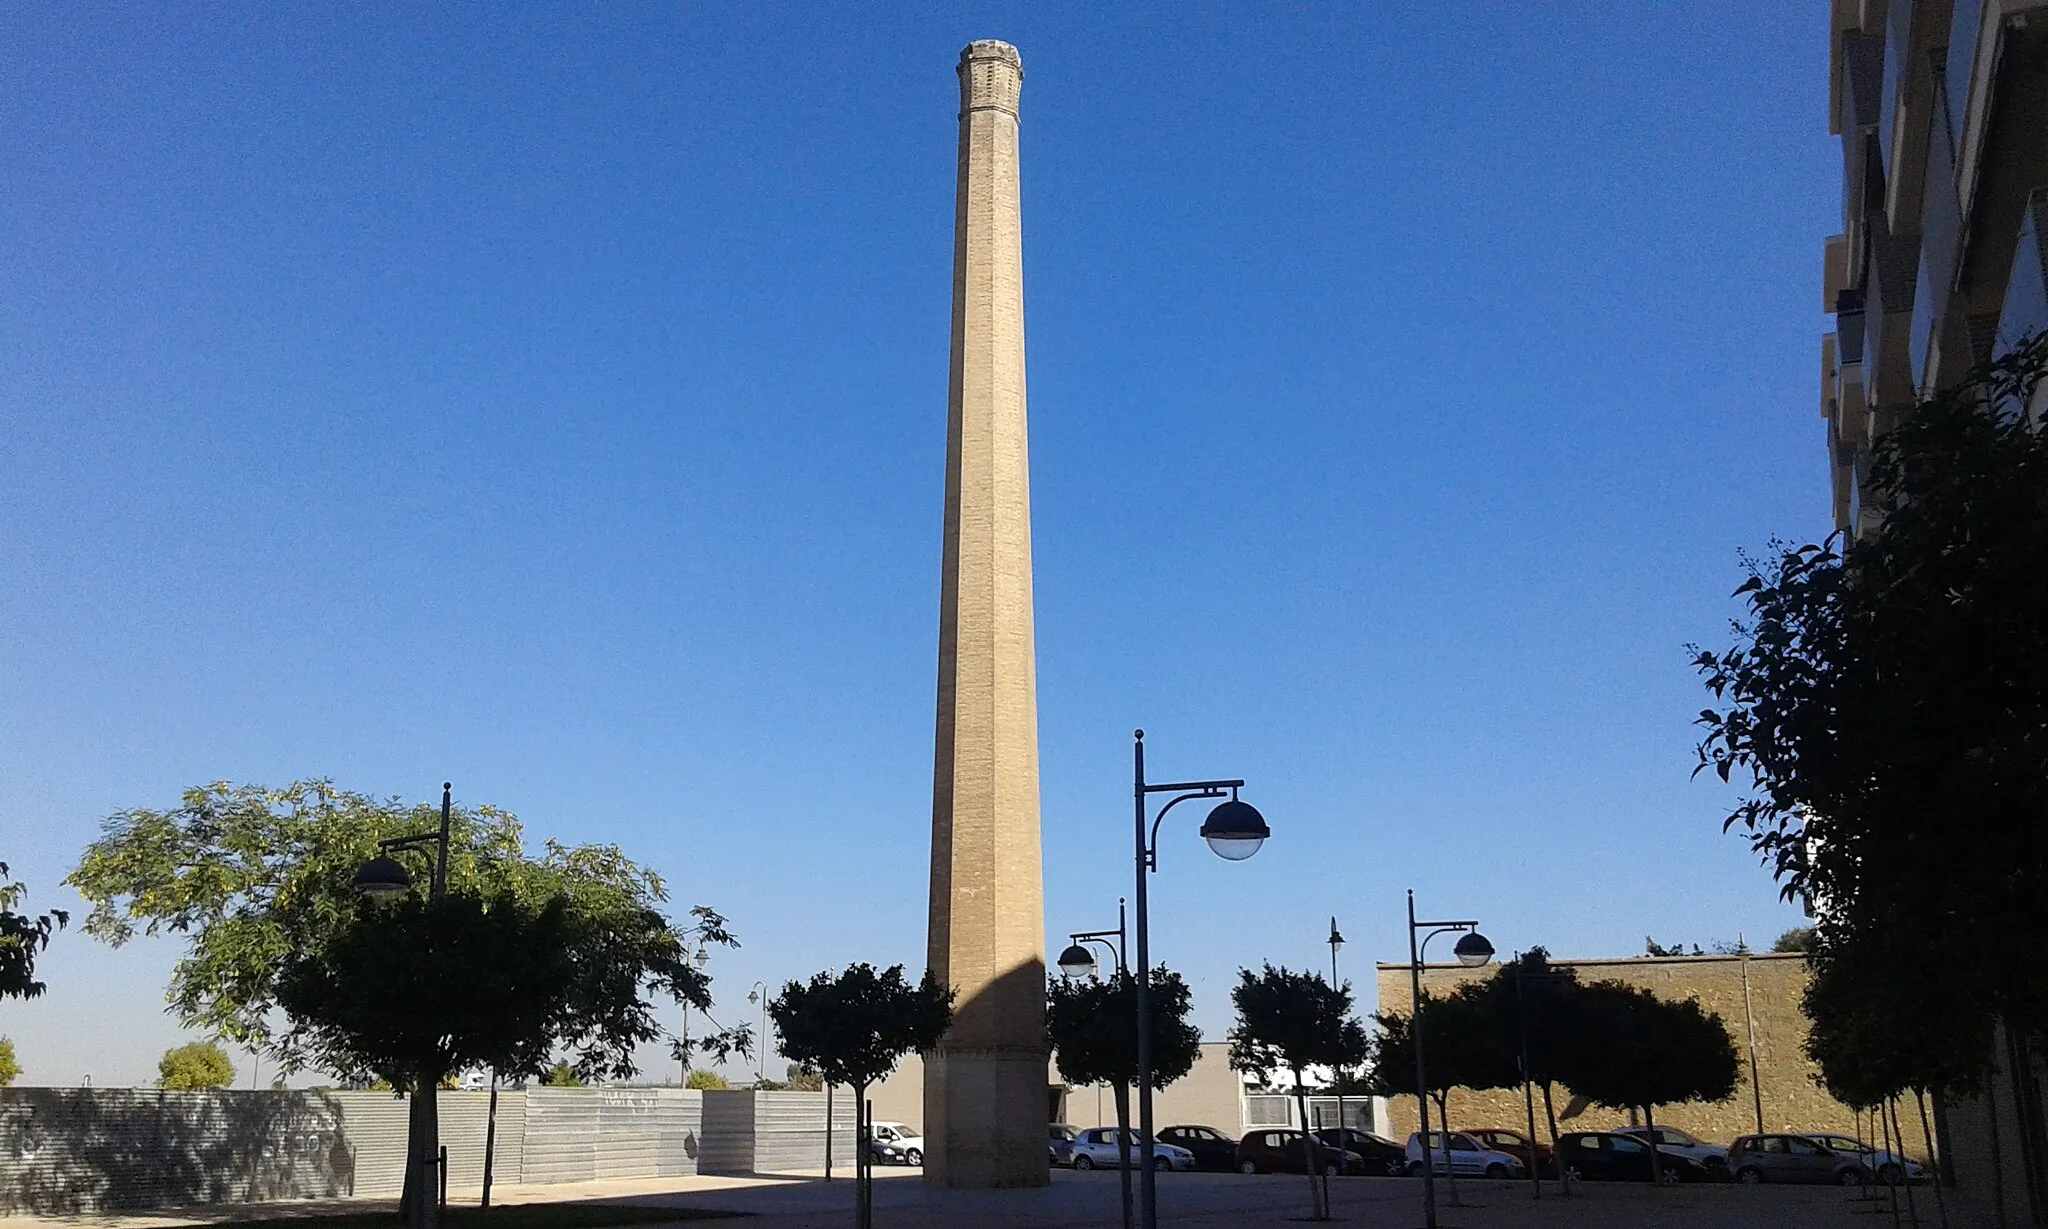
(1187, 1201)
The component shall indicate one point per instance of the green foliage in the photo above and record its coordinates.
(562, 1075)
(422, 989)
(1635, 1050)
(1293, 1021)
(706, 1081)
(1886, 706)
(10, 1068)
(22, 936)
(1093, 1028)
(1468, 1042)
(1797, 939)
(195, 1065)
(854, 1028)
(260, 882)
(800, 1078)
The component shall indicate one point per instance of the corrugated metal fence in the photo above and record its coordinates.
(70, 1150)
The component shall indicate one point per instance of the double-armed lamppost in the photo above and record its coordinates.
(382, 880)
(1078, 961)
(1234, 830)
(1472, 950)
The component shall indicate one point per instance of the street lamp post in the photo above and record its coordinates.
(1472, 950)
(758, 996)
(382, 880)
(1234, 831)
(1336, 941)
(1078, 961)
(700, 958)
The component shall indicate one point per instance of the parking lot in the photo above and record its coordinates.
(1213, 1201)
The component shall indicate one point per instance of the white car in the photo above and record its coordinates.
(1468, 1157)
(896, 1144)
(1678, 1143)
(1096, 1149)
(1889, 1166)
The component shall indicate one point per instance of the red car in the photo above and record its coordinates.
(1515, 1144)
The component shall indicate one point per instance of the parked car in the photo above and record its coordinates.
(1212, 1149)
(1610, 1156)
(1467, 1156)
(896, 1144)
(1793, 1158)
(1889, 1166)
(1280, 1151)
(1515, 1145)
(1060, 1144)
(1673, 1142)
(1095, 1148)
(1379, 1154)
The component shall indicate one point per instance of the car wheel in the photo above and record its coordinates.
(1889, 1174)
(913, 1157)
(1084, 1162)
(1332, 1171)
(1850, 1177)
(1496, 1171)
(1749, 1175)
(1572, 1174)
(1247, 1167)
(1415, 1169)
(1669, 1176)
(1162, 1164)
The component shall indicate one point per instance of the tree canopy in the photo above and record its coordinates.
(854, 1027)
(22, 937)
(1293, 1021)
(10, 1067)
(1637, 1051)
(193, 1066)
(260, 884)
(1885, 710)
(1093, 1027)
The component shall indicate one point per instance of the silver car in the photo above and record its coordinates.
(1096, 1149)
(1889, 1166)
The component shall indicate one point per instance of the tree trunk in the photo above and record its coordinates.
(1656, 1157)
(1443, 1126)
(1564, 1182)
(1936, 1170)
(863, 1159)
(1122, 1097)
(1308, 1153)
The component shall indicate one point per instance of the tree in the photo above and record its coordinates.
(22, 936)
(1530, 993)
(803, 1079)
(854, 1028)
(1886, 706)
(261, 884)
(10, 1068)
(1797, 939)
(194, 1066)
(561, 1075)
(1466, 1044)
(1637, 1051)
(1294, 1021)
(706, 1081)
(1093, 1028)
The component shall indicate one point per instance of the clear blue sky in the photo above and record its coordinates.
(553, 400)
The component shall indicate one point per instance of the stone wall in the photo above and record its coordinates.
(1792, 1098)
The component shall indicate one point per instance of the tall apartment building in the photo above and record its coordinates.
(1942, 107)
